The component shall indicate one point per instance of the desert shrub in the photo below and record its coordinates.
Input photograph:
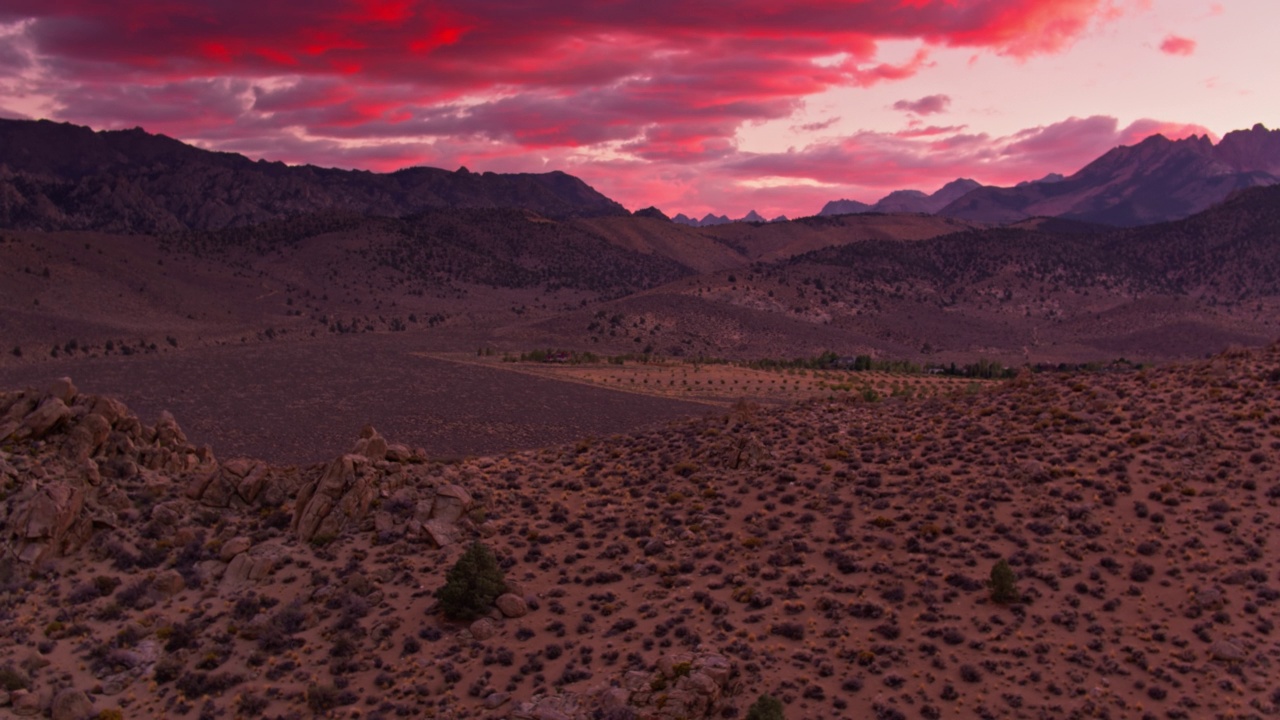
(12, 679)
(791, 631)
(251, 705)
(1003, 583)
(194, 684)
(471, 585)
(766, 707)
(321, 698)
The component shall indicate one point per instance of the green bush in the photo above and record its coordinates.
(1003, 579)
(766, 707)
(471, 586)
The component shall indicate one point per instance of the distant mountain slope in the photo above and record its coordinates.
(65, 177)
(1153, 181)
(906, 201)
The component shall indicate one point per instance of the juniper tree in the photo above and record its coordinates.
(472, 584)
(1003, 579)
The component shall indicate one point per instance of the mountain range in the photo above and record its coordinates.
(906, 201)
(1153, 181)
(1156, 180)
(57, 176)
(710, 220)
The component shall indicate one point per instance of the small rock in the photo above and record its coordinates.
(496, 699)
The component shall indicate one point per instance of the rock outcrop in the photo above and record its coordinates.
(90, 452)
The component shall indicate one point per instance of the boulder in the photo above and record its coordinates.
(169, 583)
(26, 703)
(370, 444)
(451, 503)
(253, 565)
(443, 534)
(495, 700)
(168, 434)
(50, 521)
(1227, 651)
(112, 410)
(86, 437)
(63, 389)
(341, 494)
(512, 606)
(251, 485)
(51, 413)
(482, 629)
(71, 704)
(233, 547)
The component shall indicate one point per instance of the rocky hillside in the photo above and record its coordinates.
(65, 177)
(835, 555)
(1154, 181)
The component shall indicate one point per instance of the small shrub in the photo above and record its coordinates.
(1003, 583)
(766, 707)
(321, 698)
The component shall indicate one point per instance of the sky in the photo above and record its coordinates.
(691, 106)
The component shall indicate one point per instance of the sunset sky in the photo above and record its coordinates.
(690, 106)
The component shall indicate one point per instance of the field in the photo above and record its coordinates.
(723, 384)
(300, 402)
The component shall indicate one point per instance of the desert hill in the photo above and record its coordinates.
(57, 176)
(1050, 290)
(1153, 181)
(832, 554)
(896, 286)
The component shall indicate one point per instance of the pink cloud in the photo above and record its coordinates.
(928, 105)
(868, 165)
(1175, 45)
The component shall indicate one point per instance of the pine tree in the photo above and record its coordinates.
(472, 584)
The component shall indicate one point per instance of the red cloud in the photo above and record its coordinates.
(927, 105)
(1174, 45)
(663, 86)
(760, 54)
